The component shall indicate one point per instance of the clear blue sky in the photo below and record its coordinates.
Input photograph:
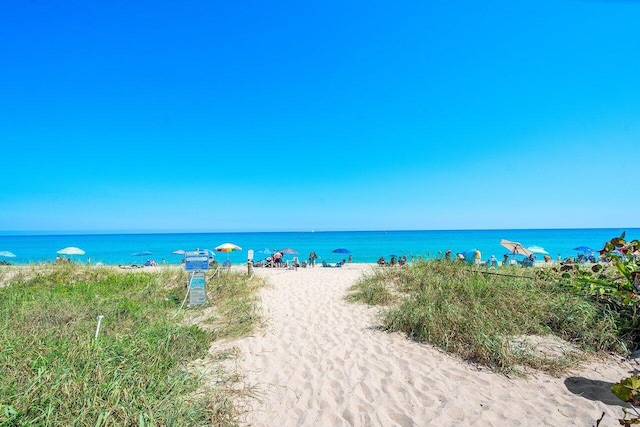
(320, 115)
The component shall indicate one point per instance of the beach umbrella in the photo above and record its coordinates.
(288, 251)
(537, 250)
(71, 250)
(515, 248)
(178, 252)
(7, 254)
(469, 256)
(227, 247)
(341, 251)
(584, 249)
(142, 253)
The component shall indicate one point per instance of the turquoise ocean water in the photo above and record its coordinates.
(365, 246)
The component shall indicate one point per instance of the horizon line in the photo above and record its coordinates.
(6, 233)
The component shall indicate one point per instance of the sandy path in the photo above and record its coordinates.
(321, 362)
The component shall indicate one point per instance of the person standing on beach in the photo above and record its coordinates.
(312, 258)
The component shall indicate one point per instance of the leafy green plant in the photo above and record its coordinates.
(616, 285)
(618, 288)
(628, 390)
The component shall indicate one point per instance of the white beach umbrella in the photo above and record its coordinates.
(7, 254)
(537, 250)
(71, 250)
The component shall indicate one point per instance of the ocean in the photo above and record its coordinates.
(364, 246)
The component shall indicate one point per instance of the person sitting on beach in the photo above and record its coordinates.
(505, 259)
(459, 257)
(393, 261)
(447, 255)
(381, 261)
(547, 258)
(493, 261)
(277, 258)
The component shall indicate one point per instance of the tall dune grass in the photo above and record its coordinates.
(54, 372)
(488, 316)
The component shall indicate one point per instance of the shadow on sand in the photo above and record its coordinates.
(593, 390)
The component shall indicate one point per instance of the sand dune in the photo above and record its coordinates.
(322, 362)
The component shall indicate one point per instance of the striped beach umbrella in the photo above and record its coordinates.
(227, 247)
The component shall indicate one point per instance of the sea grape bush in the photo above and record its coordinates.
(621, 292)
(617, 286)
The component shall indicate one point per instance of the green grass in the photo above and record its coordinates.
(483, 317)
(136, 373)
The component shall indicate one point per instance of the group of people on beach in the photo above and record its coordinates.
(393, 261)
(276, 260)
(493, 261)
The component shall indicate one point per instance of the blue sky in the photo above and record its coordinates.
(285, 116)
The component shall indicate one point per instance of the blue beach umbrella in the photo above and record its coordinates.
(142, 253)
(469, 256)
(584, 249)
(341, 251)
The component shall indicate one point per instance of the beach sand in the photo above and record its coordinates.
(321, 361)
